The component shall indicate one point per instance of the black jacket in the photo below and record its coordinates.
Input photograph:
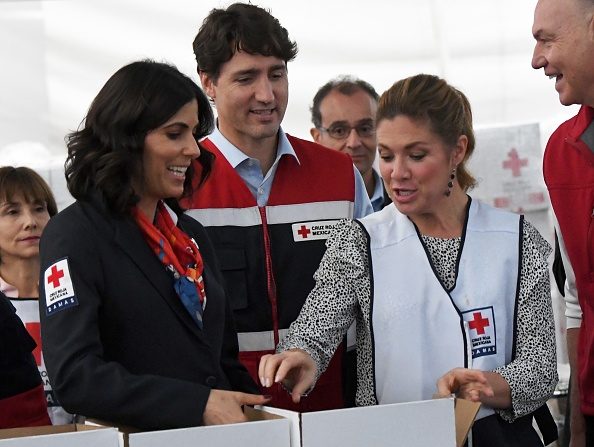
(18, 371)
(127, 351)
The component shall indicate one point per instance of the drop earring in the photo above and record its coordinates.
(450, 183)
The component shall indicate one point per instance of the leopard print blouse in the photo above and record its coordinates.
(343, 293)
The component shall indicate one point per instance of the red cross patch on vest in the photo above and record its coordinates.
(481, 330)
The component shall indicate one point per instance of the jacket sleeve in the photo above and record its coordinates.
(85, 381)
(532, 374)
(333, 304)
(573, 311)
(18, 372)
(362, 203)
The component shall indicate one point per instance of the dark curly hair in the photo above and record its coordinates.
(445, 108)
(105, 154)
(244, 27)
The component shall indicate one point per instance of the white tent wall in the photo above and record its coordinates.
(56, 55)
(24, 98)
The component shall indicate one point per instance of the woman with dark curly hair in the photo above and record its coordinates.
(136, 327)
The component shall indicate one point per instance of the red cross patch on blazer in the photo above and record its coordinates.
(59, 290)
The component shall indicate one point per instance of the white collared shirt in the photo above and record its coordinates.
(260, 185)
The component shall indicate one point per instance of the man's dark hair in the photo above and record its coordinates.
(240, 27)
(347, 85)
(105, 154)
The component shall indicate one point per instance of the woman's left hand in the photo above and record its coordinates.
(469, 384)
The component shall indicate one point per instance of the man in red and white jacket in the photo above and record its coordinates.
(271, 199)
(564, 33)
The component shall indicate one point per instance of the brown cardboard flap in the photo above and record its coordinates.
(43, 430)
(125, 429)
(259, 415)
(465, 412)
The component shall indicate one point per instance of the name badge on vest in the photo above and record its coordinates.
(481, 330)
(312, 231)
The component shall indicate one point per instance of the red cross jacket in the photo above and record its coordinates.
(269, 254)
(569, 174)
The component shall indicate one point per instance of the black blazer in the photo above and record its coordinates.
(128, 352)
(18, 371)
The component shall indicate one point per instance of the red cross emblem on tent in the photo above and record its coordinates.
(515, 163)
(478, 323)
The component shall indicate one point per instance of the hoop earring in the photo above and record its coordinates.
(451, 183)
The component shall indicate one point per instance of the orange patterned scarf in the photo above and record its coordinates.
(179, 254)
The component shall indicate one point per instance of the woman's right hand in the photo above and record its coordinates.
(294, 368)
(225, 407)
(469, 384)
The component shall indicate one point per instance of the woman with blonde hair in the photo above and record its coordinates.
(445, 289)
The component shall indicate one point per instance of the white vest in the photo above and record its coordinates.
(421, 331)
(28, 311)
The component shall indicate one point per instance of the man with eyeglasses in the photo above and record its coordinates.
(271, 199)
(343, 115)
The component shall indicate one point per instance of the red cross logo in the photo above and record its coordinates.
(55, 276)
(478, 323)
(515, 163)
(501, 202)
(536, 197)
(303, 231)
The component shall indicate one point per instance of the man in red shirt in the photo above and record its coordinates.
(564, 33)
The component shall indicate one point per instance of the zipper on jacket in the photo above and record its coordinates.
(270, 283)
(590, 247)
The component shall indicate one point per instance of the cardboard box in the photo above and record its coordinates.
(465, 412)
(264, 429)
(443, 422)
(71, 435)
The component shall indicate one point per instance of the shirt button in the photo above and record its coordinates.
(260, 190)
(211, 381)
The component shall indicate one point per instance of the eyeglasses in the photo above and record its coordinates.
(342, 132)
